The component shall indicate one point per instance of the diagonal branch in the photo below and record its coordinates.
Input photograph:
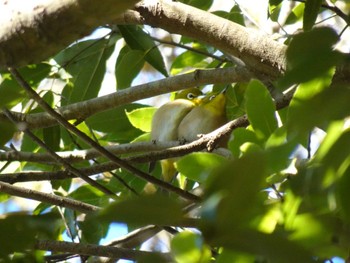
(47, 198)
(84, 109)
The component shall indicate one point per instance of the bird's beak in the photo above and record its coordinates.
(198, 99)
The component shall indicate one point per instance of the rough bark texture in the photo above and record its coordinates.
(34, 31)
(258, 51)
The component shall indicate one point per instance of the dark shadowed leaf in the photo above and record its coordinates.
(12, 93)
(128, 66)
(86, 63)
(312, 8)
(137, 39)
(310, 55)
(151, 209)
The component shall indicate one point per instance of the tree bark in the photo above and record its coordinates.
(32, 31)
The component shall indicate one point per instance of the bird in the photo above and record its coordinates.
(209, 115)
(166, 121)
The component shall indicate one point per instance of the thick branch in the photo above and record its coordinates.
(261, 54)
(35, 30)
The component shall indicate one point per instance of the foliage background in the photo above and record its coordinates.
(276, 199)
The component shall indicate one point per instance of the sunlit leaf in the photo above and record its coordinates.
(141, 118)
(188, 59)
(260, 109)
(296, 14)
(240, 136)
(189, 247)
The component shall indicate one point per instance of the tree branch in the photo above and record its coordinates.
(84, 109)
(36, 30)
(47, 198)
(83, 155)
(258, 51)
(102, 251)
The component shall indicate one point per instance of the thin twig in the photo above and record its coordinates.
(206, 54)
(334, 8)
(102, 251)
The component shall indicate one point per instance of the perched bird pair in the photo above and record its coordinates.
(186, 117)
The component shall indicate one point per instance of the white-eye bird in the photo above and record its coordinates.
(166, 121)
(209, 115)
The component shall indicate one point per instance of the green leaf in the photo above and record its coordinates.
(197, 166)
(86, 63)
(145, 210)
(188, 59)
(128, 66)
(189, 247)
(273, 247)
(52, 137)
(11, 93)
(20, 231)
(312, 8)
(89, 194)
(235, 101)
(316, 104)
(274, 9)
(232, 188)
(234, 15)
(260, 109)
(296, 14)
(115, 123)
(137, 39)
(7, 129)
(329, 146)
(93, 229)
(240, 136)
(310, 55)
(141, 118)
(249, 148)
(201, 4)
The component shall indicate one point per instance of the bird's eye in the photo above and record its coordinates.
(190, 96)
(212, 97)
